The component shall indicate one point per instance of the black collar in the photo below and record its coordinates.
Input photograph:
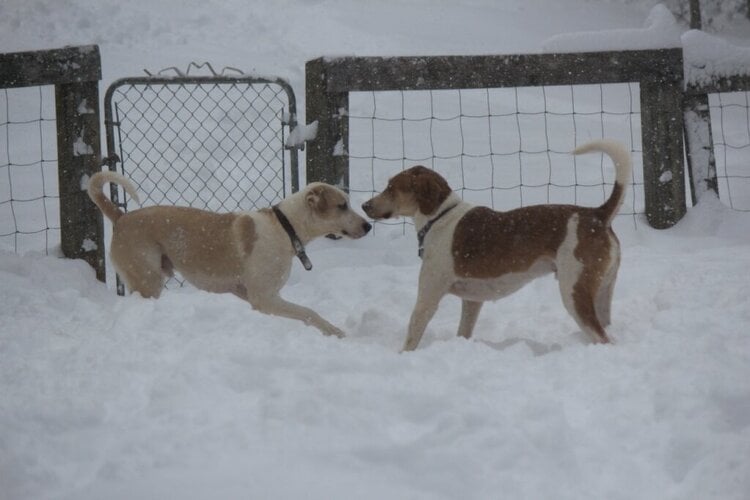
(299, 248)
(423, 232)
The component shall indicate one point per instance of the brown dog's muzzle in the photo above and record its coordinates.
(370, 207)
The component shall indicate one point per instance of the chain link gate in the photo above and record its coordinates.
(211, 142)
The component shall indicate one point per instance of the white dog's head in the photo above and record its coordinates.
(332, 213)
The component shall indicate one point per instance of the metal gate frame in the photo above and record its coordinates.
(112, 121)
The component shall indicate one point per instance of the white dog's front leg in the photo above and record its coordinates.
(280, 307)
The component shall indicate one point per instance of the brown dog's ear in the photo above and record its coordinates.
(430, 189)
(316, 199)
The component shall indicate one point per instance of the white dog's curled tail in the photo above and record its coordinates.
(96, 192)
(621, 159)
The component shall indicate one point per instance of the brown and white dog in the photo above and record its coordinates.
(479, 254)
(247, 254)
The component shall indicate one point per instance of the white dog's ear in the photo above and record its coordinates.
(316, 199)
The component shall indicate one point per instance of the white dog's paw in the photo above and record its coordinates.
(333, 331)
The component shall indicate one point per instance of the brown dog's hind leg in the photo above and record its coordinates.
(586, 315)
(578, 295)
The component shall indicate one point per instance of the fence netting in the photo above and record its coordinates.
(730, 127)
(216, 146)
(29, 199)
(503, 148)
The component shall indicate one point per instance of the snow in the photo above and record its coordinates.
(80, 148)
(301, 134)
(84, 108)
(707, 56)
(197, 396)
(660, 30)
(88, 245)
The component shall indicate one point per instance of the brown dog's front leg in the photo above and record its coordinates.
(280, 307)
(427, 303)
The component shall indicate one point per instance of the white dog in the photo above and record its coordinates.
(479, 254)
(247, 254)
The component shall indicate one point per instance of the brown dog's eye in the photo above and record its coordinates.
(343, 206)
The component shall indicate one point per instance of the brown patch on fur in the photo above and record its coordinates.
(488, 244)
(429, 188)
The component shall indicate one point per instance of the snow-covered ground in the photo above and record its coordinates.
(196, 396)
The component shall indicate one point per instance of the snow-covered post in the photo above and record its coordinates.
(327, 155)
(663, 171)
(79, 154)
(712, 66)
(700, 148)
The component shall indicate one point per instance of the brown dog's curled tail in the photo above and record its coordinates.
(621, 158)
(96, 192)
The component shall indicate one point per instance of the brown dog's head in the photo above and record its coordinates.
(417, 189)
(332, 212)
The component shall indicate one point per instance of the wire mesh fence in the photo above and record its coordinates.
(216, 145)
(502, 148)
(29, 197)
(730, 124)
